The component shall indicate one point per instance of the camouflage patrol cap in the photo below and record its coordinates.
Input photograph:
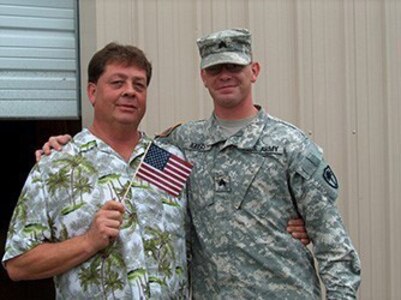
(230, 46)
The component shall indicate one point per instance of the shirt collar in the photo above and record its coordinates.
(86, 141)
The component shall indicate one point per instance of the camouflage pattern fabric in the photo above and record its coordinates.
(59, 200)
(225, 47)
(243, 191)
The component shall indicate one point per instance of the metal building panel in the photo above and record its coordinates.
(332, 68)
(36, 23)
(40, 3)
(38, 59)
(37, 64)
(38, 109)
(37, 52)
(38, 94)
(37, 40)
(31, 12)
(36, 80)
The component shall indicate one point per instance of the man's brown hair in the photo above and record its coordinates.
(121, 54)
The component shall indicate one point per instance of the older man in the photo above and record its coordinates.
(84, 218)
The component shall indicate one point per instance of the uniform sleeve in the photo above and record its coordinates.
(28, 227)
(170, 136)
(315, 188)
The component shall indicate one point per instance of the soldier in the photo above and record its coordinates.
(254, 172)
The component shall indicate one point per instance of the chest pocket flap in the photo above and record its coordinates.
(247, 167)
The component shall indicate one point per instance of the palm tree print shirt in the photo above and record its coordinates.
(59, 200)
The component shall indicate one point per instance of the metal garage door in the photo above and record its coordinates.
(39, 72)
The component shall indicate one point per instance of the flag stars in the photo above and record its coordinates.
(157, 157)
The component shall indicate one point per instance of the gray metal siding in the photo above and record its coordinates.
(331, 67)
(38, 59)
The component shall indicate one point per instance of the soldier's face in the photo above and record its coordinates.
(230, 84)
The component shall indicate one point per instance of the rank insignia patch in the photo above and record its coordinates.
(330, 178)
(222, 183)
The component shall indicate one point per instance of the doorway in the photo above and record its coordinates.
(20, 139)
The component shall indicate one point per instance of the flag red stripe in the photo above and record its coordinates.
(156, 174)
(172, 177)
(157, 177)
(178, 167)
(181, 161)
(172, 171)
(166, 175)
(159, 184)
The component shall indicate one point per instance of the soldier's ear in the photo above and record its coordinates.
(255, 68)
(203, 76)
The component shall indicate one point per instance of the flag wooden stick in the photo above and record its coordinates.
(136, 171)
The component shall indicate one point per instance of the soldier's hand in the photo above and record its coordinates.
(106, 224)
(296, 227)
(54, 142)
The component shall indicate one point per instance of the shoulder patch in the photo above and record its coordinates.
(330, 178)
(168, 131)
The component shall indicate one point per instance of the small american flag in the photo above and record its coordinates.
(165, 170)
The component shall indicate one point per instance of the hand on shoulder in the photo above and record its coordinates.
(54, 142)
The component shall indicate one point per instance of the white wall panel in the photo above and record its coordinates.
(332, 67)
(392, 157)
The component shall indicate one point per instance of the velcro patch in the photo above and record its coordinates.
(168, 131)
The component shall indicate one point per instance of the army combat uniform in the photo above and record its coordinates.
(243, 191)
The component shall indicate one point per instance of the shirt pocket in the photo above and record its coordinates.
(267, 189)
(200, 195)
(243, 177)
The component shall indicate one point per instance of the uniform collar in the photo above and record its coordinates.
(246, 138)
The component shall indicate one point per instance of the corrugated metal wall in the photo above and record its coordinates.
(332, 67)
(38, 59)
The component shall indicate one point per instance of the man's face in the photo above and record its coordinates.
(119, 96)
(230, 84)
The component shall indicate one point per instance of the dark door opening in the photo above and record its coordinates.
(19, 141)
